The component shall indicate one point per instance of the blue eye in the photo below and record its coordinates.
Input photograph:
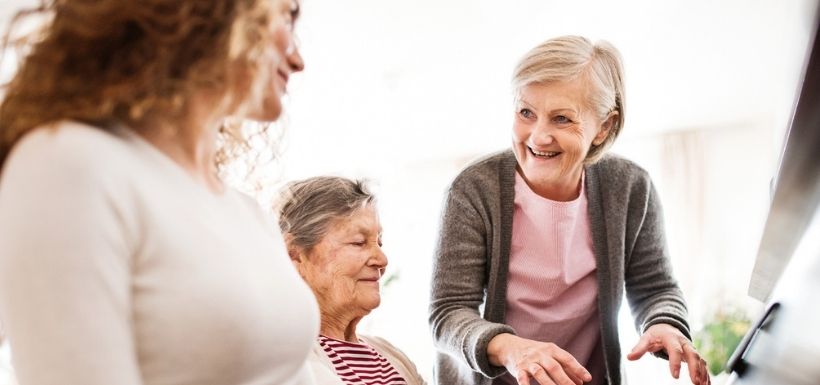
(526, 113)
(561, 119)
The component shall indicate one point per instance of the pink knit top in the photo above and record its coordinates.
(551, 285)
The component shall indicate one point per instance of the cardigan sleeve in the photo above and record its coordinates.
(64, 268)
(651, 289)
(459, 283)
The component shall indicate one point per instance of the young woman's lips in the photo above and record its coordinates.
(283, 76)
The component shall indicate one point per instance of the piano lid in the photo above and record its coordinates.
(797, 183)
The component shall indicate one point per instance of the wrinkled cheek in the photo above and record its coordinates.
(566, 164)
(574, 154)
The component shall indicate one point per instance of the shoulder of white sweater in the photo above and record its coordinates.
(69, 147)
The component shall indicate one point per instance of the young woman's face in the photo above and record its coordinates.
(284, 60)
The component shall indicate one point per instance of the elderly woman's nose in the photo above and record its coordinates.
(542, 134)
(378, 259)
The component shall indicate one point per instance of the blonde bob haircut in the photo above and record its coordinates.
(104, 61)
(567, 58)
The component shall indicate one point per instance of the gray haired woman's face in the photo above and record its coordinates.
(345, 267)
(553, 130)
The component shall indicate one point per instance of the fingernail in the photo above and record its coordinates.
(677, 373)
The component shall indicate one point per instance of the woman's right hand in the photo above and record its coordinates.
(543, 361)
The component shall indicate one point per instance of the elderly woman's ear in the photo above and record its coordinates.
(606, 128)
(295, 254)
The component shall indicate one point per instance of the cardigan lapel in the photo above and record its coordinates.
(501, 233)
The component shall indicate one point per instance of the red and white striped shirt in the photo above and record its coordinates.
(359, 364)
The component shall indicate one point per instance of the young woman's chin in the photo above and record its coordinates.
(268, 111)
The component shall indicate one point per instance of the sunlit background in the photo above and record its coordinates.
(407, 92)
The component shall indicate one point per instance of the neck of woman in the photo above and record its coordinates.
(340, 327)
(190, 141)
(565, 189)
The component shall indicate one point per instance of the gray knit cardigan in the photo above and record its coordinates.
(469, 280)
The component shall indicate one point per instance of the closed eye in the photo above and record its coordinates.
(291, 14)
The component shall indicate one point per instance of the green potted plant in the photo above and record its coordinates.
(719, 337)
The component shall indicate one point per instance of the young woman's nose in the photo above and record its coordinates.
(294, 57)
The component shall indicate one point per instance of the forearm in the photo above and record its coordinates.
(652, 291)
(462, 333)
(459, 282)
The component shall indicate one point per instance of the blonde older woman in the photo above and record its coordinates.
(539, 243)
(333, 236)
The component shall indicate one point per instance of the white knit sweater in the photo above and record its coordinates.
(116, 267)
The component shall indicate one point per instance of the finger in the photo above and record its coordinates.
(577, 380)
(571, 365)
(523, 378)
(701, 375)
(640, 349)
(540, 375)
(706, 377)
(704, 372)
(675, 353)
(556, 372)
(693, 362)
(696, 374)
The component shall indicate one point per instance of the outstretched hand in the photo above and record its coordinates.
(544, 362)
(668, 338)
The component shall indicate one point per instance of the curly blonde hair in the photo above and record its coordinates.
(105, 61)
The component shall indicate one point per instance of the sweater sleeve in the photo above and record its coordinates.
(651, 289)
(64, 267)
(458, 286)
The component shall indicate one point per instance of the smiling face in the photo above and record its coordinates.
(553, 130)
(283, 60)
(344, 268)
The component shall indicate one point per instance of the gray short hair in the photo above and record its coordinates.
(309, 206)
(569, 57)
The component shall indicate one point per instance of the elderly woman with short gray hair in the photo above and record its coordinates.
(334, 238)
(539, 243)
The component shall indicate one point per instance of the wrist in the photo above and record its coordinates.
(496, 349)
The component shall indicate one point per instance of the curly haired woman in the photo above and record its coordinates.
(124, 259)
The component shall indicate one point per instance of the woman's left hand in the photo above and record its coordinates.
(678, 348)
